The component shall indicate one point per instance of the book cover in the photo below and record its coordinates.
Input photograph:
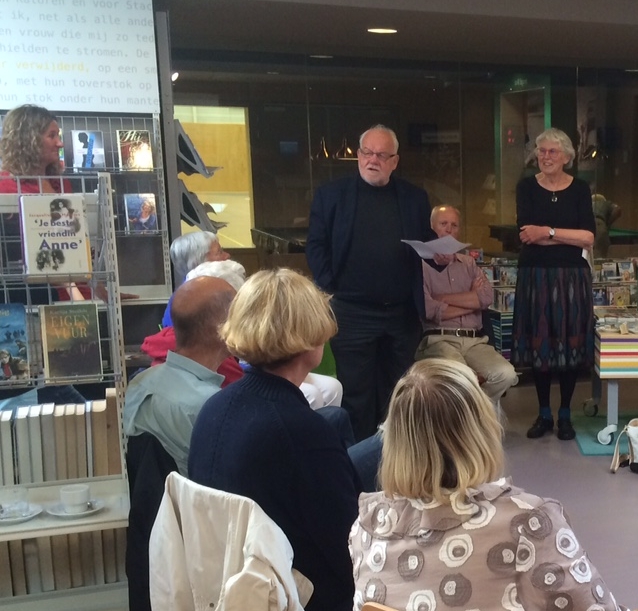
(71, 340)
(626, 271)
(141, 212)
(597, 272)
(87, 147)
(609, 271)
(14, 359)
(8, 455)
(54, 236)
(47, 431)
(135, 151)
(507, 275)
(35, 444)
(59, 425)
(618, 296)
(600, 297)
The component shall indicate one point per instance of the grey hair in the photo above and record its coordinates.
(381, 128)
(191, 249)
(231, 271)
(554, 134)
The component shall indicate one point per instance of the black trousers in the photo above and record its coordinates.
(373, 348)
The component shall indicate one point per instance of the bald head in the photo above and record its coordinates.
(445, 220)
(199, 306)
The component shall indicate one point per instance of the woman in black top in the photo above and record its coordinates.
(553, 330)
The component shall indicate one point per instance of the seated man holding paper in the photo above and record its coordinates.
(456, 292)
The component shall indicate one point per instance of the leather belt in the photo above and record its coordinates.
(455, 332)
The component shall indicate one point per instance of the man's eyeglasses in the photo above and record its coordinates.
(552, 153)
(367, 153)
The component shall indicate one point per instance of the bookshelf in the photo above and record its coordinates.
(93, 544)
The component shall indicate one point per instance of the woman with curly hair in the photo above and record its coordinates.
(447, 531)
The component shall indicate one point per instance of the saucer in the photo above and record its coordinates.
(57, 510)
(34, 510)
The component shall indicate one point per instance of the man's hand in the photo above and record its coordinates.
(443, 259)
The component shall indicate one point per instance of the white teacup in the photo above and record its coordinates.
(75, 498)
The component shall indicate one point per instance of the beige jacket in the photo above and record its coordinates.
(215, 550)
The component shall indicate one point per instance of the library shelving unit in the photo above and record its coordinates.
(92, 546)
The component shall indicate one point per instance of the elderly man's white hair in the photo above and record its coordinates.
(231, 271)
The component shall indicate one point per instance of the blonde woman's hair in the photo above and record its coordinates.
(276, 315)
(21, 141)
(441, 434)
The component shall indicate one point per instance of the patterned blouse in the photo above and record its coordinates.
(498, 548)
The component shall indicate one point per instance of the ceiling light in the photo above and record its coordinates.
(321, 56)
(174, 76)
(382, 30)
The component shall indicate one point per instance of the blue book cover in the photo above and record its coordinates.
(14, 358)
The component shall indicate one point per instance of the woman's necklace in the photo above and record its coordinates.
(554, 197)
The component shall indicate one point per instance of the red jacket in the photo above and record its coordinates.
(158, 345)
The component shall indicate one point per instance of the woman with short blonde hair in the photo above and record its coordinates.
(445, 532)
(277, 315)
(258, 437)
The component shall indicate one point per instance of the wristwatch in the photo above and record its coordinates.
(552, 233)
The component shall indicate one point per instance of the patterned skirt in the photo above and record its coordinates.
(553, 328)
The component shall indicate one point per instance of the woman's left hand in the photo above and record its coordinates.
(533, 234)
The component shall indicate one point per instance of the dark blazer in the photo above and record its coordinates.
(332, 221)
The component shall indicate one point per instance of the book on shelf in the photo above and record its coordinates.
(609, 271)
(59, 425)
(45, 556)
(504, 299)
(134, 149)
(596, 272)
(7, 448)
(71, 340)
(61, 562)
(600, 296)
(54, 237)
(141, 212)
(80, 439)
(618, 296)
(47, 430)
(70, 444)
(35, 444)
(6, 587)
(16, 561)
(75, 555)
(507, 275)
(626, 271)
(87, 149)
(113, 433)
(32, 566)
(14, 358)
(99, 434)
(22, 445)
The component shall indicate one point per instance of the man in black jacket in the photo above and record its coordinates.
(354, 251)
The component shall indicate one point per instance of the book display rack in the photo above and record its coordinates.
(59, 329)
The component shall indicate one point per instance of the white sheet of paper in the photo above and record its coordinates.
(441, 246)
